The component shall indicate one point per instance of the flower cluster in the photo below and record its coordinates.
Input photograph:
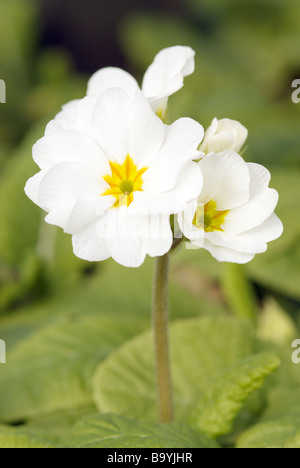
(113, 174)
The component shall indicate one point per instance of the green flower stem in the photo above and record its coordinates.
(161, 340)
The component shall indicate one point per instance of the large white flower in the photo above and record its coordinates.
(112, 174)
(223, 135)
(233, 217)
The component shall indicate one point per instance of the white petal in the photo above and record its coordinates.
(184, 137)
(259, 178)
(237, 130)
(60, 214)
(70, 146)
(174, 201)
(221, 142)
(251, 215)
(189, 183)
(88, 246)
(127, 252)
(223, 254)
(77, 117)
(250, 242)
(180, 145)
(85, 115)
(130, 239)
(86, 211)
(65, 119)
(111, 77)
(124, 243)
(112, 122)
(209, 134)
(148, 203)
(67, 182)
(146, 132)
(269, 231)
(54, 126)
(32, 188)
(160, 243)
(243, 243)
(226, 180)
(187, 227)
(159, 106)
(165, 75)
(212, 178)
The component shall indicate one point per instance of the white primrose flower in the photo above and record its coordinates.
(162, 79)
(233, 217)
(114, 175)
(223, 135)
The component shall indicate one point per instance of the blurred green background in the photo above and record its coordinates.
(60, 317)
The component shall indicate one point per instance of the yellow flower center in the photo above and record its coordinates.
(208, 218)
(125, 179)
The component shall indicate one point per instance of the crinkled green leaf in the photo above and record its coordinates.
(53, 349)
(201, 349)
(114, 431)
(278, 426)
(281, 433)
(60, 422)
(52, 369)
(283, 401)
(23, 438)
(218, 407)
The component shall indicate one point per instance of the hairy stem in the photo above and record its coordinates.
(161, 340)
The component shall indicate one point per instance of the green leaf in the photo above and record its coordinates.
(53, 348)
(279, 424)
(61, 422)
(23, 438)
(239, 292)
(284, 401)
(51, 369)
(275, 324)
(218, 407)
(114, 431)
(282, 433)
(201, 349)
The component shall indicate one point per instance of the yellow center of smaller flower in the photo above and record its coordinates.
(208, 218)
(125, 179)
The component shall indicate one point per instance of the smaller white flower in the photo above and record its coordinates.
(223, 135)
(163, 78)
(233, 217)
